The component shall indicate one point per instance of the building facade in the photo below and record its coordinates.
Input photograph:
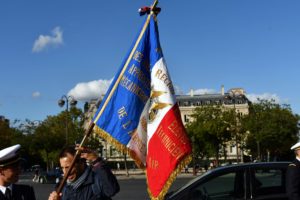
(235, 99)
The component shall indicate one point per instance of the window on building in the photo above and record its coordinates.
(186, 103)
(207, 102)
(186, 118)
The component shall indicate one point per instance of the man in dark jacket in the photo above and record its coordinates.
(9, 174)
(85, 182)
(293, 175)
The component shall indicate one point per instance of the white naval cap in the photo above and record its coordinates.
(9, 155)
(296, 146)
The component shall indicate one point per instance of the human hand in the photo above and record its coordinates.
(87, 153)
(54, 196)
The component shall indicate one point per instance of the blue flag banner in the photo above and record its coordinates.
(119, 113)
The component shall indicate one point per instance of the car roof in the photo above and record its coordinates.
(252, 164)
(231, 167)
(242, 166)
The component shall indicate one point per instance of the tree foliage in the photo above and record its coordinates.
(210, 130)
(57, 131)
(266, 133)
(273, 129)
(6, 132)
(41, 141)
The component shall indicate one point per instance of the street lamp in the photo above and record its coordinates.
(67, 100)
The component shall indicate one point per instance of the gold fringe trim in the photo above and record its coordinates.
(121, 147)
(185, 161)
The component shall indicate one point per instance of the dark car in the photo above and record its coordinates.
(52, 176)
(236, 182)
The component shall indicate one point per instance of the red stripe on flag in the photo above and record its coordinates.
(166, 148)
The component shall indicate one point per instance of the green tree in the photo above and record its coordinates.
(273, 128)
(23, 135)
(41, 141)
(18, 132)
(50, 135)
(210, 130)
(6, 134)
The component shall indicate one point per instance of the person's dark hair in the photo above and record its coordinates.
(70, 150)
(67, 150)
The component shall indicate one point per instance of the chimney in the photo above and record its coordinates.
(192, 93)
(222, 90)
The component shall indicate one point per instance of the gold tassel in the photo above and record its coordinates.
(122, 148)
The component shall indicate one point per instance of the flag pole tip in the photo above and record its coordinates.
(147, 10)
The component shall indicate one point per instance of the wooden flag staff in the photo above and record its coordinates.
(92, 124)
(76, 156)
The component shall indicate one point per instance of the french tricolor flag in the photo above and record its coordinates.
(139, 113)
(168, 146)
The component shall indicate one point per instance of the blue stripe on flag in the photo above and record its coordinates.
(120, 116)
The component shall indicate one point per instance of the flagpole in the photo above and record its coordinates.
(154, 4)
(92, 123)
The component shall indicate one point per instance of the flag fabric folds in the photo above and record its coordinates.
(139, 113)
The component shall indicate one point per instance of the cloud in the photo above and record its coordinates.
(265, 96)
(252, 97)
(45, 41)
(202, 91)
(90, 90)
(178, 90)
(36, 94)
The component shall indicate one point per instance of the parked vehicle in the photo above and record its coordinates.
(265, 181)
(35, 167)
(52, 176)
